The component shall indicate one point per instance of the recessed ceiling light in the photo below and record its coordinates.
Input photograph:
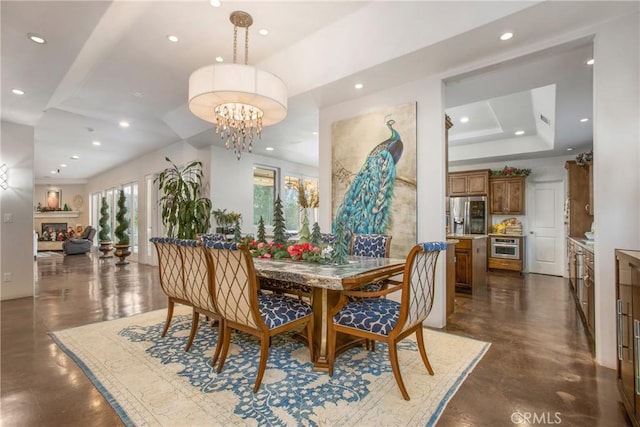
(315, 132)
(214, 3)
(269, 148)
(584, 120)
(136, 94)
(569, 149)
(54, 172)
(173, 38)
(590, 62)
(75, 157)
(17, 91)
(506, 36)
(358, 85)
(63, 165)
(219, 59)
(96, 143)
(36, 38)
(519, 132)
(124, 124)
(263, 32)
(464, 119)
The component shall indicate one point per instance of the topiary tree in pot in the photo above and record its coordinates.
(184, 212)
(122, 230)
(104, 236)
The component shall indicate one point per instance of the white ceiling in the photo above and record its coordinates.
(109, 61)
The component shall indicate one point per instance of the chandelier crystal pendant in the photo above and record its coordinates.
(240, 99)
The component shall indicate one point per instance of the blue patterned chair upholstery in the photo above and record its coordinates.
(211, 237)
(196, 288)
(171, 270)
(234, 287)
(390, 321)
(371, 245)
(328, 238)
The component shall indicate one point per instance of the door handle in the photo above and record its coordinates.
(619, 327)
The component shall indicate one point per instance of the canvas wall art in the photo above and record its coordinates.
(374, 175)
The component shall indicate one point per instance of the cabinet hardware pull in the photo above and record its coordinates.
(636, 348)
(586, 207)
(619, 327)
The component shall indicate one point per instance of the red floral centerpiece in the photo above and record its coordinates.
(267, 250)
(306, 252)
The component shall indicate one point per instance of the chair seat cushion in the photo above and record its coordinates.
(277, 310)
(376, 315)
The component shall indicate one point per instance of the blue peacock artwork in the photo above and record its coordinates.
(366, 206)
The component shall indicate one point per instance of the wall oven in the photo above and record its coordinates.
(505, 247)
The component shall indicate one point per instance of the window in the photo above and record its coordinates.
(264, 194)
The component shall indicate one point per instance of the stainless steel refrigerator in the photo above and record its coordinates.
(468, 215)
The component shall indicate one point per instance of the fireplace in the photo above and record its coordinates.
(54, 231)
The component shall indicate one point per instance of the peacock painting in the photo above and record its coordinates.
(366, 189)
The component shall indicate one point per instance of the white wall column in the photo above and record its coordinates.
(16, 212)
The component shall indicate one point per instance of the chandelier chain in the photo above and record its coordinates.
(235, 42)
(246, 46)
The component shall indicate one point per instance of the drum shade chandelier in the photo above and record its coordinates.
(239, 99)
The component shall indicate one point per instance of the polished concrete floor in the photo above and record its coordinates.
(539, 367)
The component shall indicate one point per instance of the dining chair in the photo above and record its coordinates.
(234, 286)
(170, 268)
(196, 285)
(215, 237)
(386, 320)
(371, 245)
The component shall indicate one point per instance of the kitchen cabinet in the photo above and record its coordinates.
(506, 195)
(628, 330)
(578, 217)
(471, 263)
(451, 275)
(582, 283)
(469, 183)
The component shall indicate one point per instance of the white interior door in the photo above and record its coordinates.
(546, 234)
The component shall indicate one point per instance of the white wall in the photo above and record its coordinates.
(232, 181)
(16, 241)
(616, 160)
(430, 164)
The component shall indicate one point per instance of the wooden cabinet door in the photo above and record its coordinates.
(515, 196)
(624, 320)
(571, 260)
(457, 185)
(498, 196)
(463, 268)
(635, 286)
(477, 184)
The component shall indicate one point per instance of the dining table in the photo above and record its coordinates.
(326, 282)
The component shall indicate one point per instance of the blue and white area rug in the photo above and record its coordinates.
(150, 380)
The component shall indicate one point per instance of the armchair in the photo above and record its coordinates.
(81, 245)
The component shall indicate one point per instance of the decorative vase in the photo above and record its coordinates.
(122, 252)
(106, 248)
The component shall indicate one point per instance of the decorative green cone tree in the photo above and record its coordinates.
(237, 233)
(262, 234)
(105, 228)
(304, 234)
(316, 235)
(279, 230)
(122, 230)
(340, 252)
(104, 237)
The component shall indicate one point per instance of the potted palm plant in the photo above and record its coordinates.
(184, 212)
(122, 230)
(104, 236)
